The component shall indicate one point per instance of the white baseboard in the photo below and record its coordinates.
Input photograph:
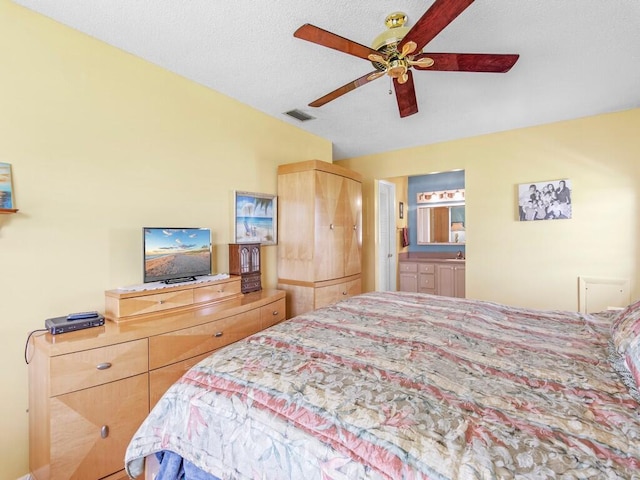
(26, 477)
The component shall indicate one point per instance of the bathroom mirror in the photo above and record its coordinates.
(440, 224)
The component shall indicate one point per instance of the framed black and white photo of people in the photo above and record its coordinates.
(548, 200)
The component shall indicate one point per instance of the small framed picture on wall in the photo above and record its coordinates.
(7, 200)
(256, 218)
(548, 200)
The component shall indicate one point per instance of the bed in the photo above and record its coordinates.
(408, 386)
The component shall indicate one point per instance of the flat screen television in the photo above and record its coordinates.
(174, 255)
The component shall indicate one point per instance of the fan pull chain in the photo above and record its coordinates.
(390, 85)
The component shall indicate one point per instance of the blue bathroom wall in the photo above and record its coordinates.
(430, 183)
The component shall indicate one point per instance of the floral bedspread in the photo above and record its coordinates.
(405, 386)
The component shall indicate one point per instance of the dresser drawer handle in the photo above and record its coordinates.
(344, 293)
(161, 302)
(103, 366)
(218, 334)
(274, 313)
(104, 431)
(355, 227)
(331, 226)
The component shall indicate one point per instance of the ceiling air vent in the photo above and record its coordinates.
(299, 115)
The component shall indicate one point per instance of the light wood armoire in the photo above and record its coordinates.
(319, 234)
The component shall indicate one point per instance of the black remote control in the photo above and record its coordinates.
(82, 315)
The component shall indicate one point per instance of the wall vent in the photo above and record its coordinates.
(299, 115)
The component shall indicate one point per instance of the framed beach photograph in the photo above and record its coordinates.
(256, 218)
(548, 200)
(7, 201)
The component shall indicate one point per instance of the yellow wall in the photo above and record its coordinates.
(533, 264)
(102, 144)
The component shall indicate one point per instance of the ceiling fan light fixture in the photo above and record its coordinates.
(424, 62)
(395, 31)
(377, 59)
(397, 68)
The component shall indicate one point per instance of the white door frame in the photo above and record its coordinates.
(386, 259)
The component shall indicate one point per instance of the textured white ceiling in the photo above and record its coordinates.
(577, 58)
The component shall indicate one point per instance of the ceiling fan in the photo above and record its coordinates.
(398, 50)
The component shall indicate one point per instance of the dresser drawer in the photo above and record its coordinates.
(427, 268)
(189, 342)
(334, 293)
(272, 313)
(87, 368)
(89, 425)
(426, 281)
(330, 294)
(162, 378)
(251, 282)
(216, 292)
(408, 267)
(155, 302)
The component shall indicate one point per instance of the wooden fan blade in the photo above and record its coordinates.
(434, 20)
(314, 34)
(468, 62)
(406, 96)
(338, 92)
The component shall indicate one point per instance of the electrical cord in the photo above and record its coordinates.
(26, 345)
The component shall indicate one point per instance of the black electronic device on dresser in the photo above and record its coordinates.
(244, 260)
(73, 322)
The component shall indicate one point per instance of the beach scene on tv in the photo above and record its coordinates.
(176, 252)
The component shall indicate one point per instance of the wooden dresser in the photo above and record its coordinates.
(428, 274)
(320, 234)
(142, 302)
(90, 390)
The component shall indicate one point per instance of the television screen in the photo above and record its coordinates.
(176, 254)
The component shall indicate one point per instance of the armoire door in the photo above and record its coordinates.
(353, 227)
(330, 226)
